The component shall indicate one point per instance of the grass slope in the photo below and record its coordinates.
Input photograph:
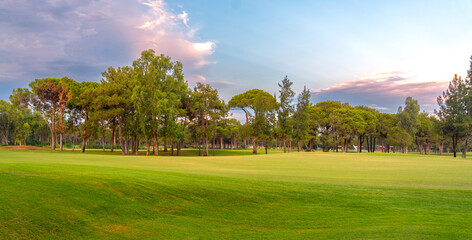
(46, 195)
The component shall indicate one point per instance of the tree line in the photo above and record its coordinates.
(149, 104)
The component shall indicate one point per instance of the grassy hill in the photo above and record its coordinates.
(54, 195)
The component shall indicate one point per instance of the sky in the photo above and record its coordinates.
(372, 53)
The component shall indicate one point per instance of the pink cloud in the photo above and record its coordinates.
(80, 39)
(161, 29)
(384, 91)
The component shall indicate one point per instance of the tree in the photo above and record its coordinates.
(23, 131)
(207, 108)
(301, 119)
(452, 110)
(114, 102)
(285, 110)
(84, 101)
(8, 116)
(367, 128)
(47, 95)
(64, 96)
(386, 122)
(424, 135)
(158, 95)
(321, 112)
(467, 121)
(262, 104)
(399, 137)
(408, 117)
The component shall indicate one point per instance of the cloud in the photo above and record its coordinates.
(221, 84)
(384, 91)
(80, 39)
(238, 115)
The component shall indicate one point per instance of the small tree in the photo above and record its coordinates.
(262, 104)
(285, 111)
(301, 119)
(47, 95)
(452, 110)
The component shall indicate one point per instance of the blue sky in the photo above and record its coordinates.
(374, 53)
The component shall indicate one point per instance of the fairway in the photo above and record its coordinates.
(65, 195)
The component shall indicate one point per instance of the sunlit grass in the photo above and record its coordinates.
(297, 196)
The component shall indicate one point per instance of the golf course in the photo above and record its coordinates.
(234, 195)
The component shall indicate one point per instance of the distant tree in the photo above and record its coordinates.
(321, 112)
(64, 95)
(23, 131)
(115, 102)
(158, 95)
(452, 110)
(367, 128)
(285, 111)
(8, 121)
(233, 129)
(386, 122)
(408, 117)
(207, 107)
(301, 119)
(262, 104)
(467, 121)
(400, 138)
(424, 134)
(83, 101)
(46, 96)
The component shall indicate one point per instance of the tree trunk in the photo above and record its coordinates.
(103, 142)
(83, 144)
(441, 148)
(120, 136)
(200, 148)
(382, 143)
(112, 138)
(179, 146)
(148, 146)
(214, 143)
(358, 144)
(298, 145)
(285, 150)
(74, 142)
(221, 143)
(205, 146)
(373, 145)
(172, 148)
(53, 140)
(361, 141)
(155, 142)
(466, 145)
(254, 145)
(53, 129)
(61, 144)
(136, 142)
(266, 146)
(454, 144)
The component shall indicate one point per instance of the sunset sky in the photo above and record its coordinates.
(373, 53)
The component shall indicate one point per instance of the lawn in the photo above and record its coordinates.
(54, 195)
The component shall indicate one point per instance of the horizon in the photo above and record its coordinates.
(373, 54)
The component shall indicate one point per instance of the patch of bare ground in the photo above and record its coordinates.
(24, 148)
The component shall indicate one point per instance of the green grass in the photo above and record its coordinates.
(46, 195)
